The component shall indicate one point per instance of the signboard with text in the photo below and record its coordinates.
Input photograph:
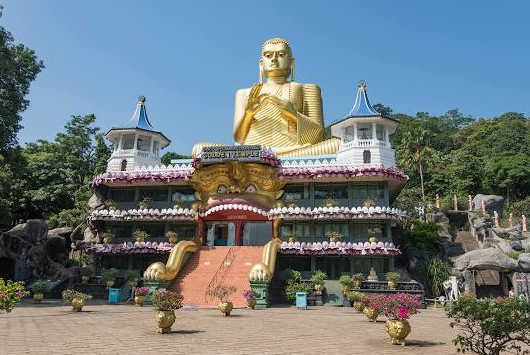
(221, 154)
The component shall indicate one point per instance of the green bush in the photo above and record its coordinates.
(295, 284)
(520, 207)
(319, 277)
(436, 272)
(422, 236)
(109, 274)
(491, 326)
(354, 296)
(41, 287)
(345, 280)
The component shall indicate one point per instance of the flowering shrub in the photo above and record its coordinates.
(223, 293)
(249, 294)
(491, 326)
(10, 294)
(68, 295)
(141, 291)
(374, 301)
(400, 305)
(164, 300)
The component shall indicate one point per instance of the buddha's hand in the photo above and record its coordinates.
(155, 271)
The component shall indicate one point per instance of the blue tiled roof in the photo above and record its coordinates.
(140, 119)
(362, 105)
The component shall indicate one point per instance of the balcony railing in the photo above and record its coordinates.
(366, 143)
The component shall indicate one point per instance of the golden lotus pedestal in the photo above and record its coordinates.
(225, 308)
(398, 331)
(371, 314)
(164, 321)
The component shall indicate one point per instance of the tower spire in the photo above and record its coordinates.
(362, 106)
(139, 118)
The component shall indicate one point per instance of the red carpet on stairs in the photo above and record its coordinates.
(201, 267)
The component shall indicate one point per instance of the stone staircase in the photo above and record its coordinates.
(202, 266)
(484, 277)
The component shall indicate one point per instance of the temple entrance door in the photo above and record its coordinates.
(220, 234)
(256, 233)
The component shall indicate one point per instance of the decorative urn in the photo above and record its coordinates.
(371, 314)
(37, 297)
(110, 283)
(359, 306)
(225, 308)
(164, 321)
(251, 303)
(77, 304)
(398, 330)
(139, 300)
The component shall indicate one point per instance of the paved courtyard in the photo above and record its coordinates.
(52, 328)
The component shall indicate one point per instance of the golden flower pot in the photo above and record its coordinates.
(173, 240)
(398, 330)
(356, 284)
(85, 279)
(251, 303)
(110, 283)
(139, 300)
(164, 321)
(392, 285)
(359, 307)
(319, 288)
(226, 308)
(37, 297)
(77, 304)
(371, 314)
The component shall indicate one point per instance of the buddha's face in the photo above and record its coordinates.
(276, 60)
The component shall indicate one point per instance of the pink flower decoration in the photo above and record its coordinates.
(2, 294)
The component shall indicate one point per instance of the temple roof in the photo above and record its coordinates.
(139, 121)
(362, 105)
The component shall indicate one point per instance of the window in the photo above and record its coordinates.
(143, 143)
(122, 194)
(155, 230)
(257, 233)
(362, 192)
(364, 131)
(335, 191)
(296, 192)
(185, 231)
(121, 231)
(322, 228)
(365, 230)
(300, 230)
(367, 157)
(123, 166)
(128, 141)
(184, 194)
(156, 194)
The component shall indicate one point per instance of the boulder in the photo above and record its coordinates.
(34, 231)
(61, 232)
(96, 201)
(524, 262)
(511, 233)
(516, 245)
(89, 236)
(486, 259)
(492, 202)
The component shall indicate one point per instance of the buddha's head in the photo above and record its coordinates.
(276, 58)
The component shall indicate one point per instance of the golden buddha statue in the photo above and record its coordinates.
(280, 113)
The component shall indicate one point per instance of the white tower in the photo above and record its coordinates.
(137, 144)
(364, 133)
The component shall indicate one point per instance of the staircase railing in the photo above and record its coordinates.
(220, 274)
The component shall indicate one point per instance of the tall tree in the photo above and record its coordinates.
(101, 155)
(19, 66)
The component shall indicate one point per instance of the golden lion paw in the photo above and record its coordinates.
(259, 272)
(154, 271)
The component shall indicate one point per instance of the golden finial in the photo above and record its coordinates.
(362, 85)
(141, 100)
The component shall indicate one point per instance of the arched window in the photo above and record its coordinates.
(124, 165)
(367, 157)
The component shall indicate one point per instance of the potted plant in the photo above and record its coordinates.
(108, 237)
(369, 202)
(345, 281)
(110, 205)
(398, 307)
(10, 294)
(85, 259)
(165, 303)
(372, 234)
(354, 297)
(357, 280)
(172, 236)
(290, 201)
(318, 279)
(373, 306)
(39, 288)
(144, 203)
(295, 285)
(330, 202)
(292, 238)
(86, 272)
(132, 276)
(223, 293)
(75, 298)
(139, 295)
(334, 236)
(178, 203)
(140, 235)
(250, 297)
(109, 275)
(393, 278)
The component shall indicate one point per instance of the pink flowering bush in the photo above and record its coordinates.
(141, 291)
(249, 294)
(374, 301)
(400, 306)
(164, 300)
(10, 294)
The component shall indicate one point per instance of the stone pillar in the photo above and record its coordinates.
(261, 288)
(355, 137)
(374, 131)
(387, 136)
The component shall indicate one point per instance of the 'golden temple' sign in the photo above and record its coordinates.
(220, 154)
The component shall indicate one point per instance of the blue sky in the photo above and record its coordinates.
(189, 58)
